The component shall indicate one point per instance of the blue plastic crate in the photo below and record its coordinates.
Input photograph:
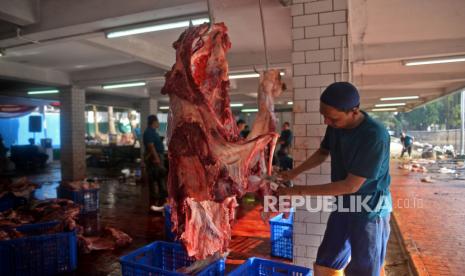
(281, 236)
(41, 254)
(88, 199)
(10, 201)
(256, 266)
(163, 258)
(169, 235)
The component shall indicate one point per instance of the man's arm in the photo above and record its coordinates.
(316, 159)
(350, 185)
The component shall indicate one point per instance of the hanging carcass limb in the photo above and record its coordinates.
(210, 165)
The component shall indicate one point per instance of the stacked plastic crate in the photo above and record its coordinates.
(39, 253)
(164, 258)
(281, 235)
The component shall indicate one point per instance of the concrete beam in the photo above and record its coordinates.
(33, 99)
(19, 12)
(377, 53)
(139, 49)
(28, 73)
(375, 81)
(245, 60)
(116, 101)
(382, 92)
(286, 66)
(117, 73)
(64, 18)
(13, 99)
(130, 92)
(454, 88)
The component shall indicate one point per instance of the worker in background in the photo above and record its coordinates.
(154, 164)
(407, 144)
(354, 242)
(285, 160)
(285, 139)
(241, 127)
(245, 132)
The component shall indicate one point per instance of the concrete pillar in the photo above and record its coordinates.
(319, 31)
(72, 128)
(148, 106)
(462, 125)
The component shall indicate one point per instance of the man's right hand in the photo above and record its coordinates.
(287, 175)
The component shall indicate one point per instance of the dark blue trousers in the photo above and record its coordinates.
(354, 243)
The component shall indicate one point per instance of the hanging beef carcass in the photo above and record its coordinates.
(210, 164)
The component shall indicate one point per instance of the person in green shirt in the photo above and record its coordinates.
(355, 241)
(154, 165)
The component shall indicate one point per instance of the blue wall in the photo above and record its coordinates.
(15, 131)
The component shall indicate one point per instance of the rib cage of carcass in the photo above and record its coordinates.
(210, 164)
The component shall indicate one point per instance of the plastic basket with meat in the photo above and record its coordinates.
(39, 251)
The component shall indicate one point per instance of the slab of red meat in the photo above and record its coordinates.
(21, 187)
(9, 234)
(110, 239)
(60, 209)
(210, 165)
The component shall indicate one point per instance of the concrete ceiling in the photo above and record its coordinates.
(383, 34)
(67, 56)
(65, 44)
(62, 42)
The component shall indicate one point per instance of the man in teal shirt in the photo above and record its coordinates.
(154, 164)
(407, 142)
(359, 150)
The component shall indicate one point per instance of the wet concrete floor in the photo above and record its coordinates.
(125, 206)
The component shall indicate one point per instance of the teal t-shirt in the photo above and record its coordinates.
(151, 136)
(408, 141)
(362, 151)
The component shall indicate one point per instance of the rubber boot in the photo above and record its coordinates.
(382, 272)
(319, 270)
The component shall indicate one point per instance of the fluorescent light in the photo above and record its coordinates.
(247, 76)
(244, 76)
(50, 91)
(236, 104)
(157, 27)
(400, 98)
(199, 21)
(123, 85)
(249, 110)
(390, 104)
(290, 103)
(384, 109)
(164, 107)
(148, 29)
(434, 60)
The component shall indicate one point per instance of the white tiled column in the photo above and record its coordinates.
(148, 106)
(319, 33)
(72, 133)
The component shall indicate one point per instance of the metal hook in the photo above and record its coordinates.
(210, 15)
(264, 35)
(255, 70)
